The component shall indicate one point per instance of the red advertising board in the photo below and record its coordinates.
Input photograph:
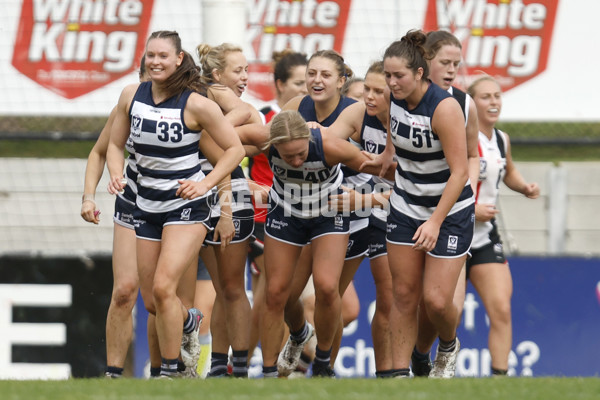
(75, 47)
(508, 39)
(305, 26)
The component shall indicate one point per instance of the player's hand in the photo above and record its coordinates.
(225, 230)
(532, 190)
(426, 236)
(116, 184)
(89, 212)
(189, 190)
(485, 212)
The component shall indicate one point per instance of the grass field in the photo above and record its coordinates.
(346, 389)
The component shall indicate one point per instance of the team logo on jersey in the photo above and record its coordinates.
(279, 171)
(75, 47)
(236, 225)
(136, 126)
(482, 169)
(394, 124)
(185, 214)
(509, 40)
(452, 242)
(371, 146)
(303, 26)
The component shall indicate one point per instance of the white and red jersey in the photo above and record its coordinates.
(492, 168)
(260, 170)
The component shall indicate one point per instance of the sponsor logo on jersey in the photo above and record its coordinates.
(74, 47)
(304, 26)
(509, 40)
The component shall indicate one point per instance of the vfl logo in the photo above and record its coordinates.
(136, 126)
(394, 124)
(185, 214)
(452, 242)
(236, 226)
(279, 171)
(338, 221)
(371, 146)
(507, 39)
(74, 47)
(482, 169)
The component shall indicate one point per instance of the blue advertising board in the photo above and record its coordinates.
(556, 324)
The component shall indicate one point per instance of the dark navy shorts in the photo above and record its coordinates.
(491, 253)
(301, 231)
(377, 241)
(243, 222)
(358, 244)
(150, 225)
(454, 240)
(124, 213)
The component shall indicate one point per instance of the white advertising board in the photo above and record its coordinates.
(73, 57)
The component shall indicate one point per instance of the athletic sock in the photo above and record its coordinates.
(322, 357)
(240, 363)
(115, 371)
(154, 372)
(218, 364)
(386, 373)
(168, 366)
(417, 355)
(270, 372)
(499, 372)
(401, 372)
(190, 323)
(447, 347)
(299, 335)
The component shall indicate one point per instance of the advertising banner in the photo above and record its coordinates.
(73, 57)
(53, 316)
(303, 26)
(555, 314)
(509, 40)
(74, 47)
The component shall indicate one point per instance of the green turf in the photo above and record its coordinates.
(342, 389)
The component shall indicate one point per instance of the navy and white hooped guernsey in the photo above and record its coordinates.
(422, 171)
(166, 150)
(303, 192)
(373, 138)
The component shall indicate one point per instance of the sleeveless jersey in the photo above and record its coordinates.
(373, 138)
(130, 192)
(303, 192)
(166, 150)
(239, 188)
(492, 168)
(422, 170)
(463, 101)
